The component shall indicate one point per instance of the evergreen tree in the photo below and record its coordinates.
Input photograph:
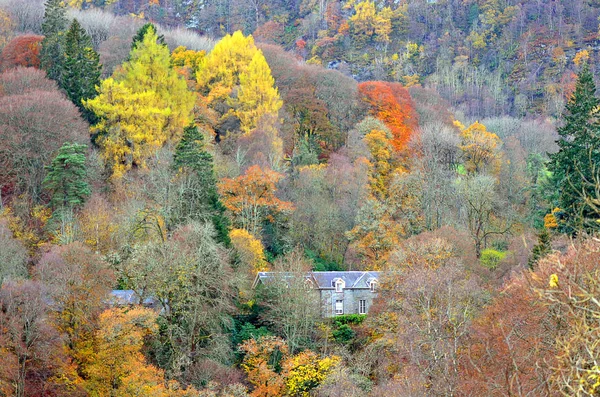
(579, 153)
(541, 249)
(66, 179)
(82, 69)
(141, 33)
(200, 198)
(53, 28)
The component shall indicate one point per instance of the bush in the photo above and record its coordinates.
(21, 51)
(354, 319)
(343, 334)
(490, 258)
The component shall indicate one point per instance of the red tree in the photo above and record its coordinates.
(21, 51)
(392, 104)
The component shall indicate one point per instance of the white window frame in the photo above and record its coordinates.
(362, 306)
(339, 285)
(339, 310)
(373, 285)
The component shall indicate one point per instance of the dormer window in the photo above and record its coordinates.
(373, 284)
(339, 285)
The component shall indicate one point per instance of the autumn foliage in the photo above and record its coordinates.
(21, 51)
(392, 104)
(251, 197)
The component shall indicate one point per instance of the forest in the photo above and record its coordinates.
(171, 150)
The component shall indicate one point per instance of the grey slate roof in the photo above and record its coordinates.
(324, 280)
(122, 297)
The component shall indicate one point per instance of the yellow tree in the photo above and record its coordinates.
(381, 150)
(144, 105)
(480, 148)
(249, 249)
(306, 371)
(117, 366)
(257, 95)
(219, 71)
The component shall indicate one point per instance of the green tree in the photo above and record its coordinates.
(82, 69)
(53, 28)
(541, 249)
(141, 33)
(574, 166)
(66, 179)
(199, 198)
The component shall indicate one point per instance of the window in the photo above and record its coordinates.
(339, 285)
(339, 306)
(373, 285)
(362, 306)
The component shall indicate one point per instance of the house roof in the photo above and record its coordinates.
(122, 297)
(323, 280)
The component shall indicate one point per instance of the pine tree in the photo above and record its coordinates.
(66, 179)
(141, 33)
(579, 153)
(257, 95)
(541, 249)
(53, 28)
(82, 69)
(201, 199)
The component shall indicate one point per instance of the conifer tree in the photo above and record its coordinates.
(66, 179)
(201, 200)
(141, 33)
(82, 69)
(257, 95)
(53, 28)
(574, 164)
(143, 106)
(541, 249)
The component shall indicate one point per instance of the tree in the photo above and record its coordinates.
(138, 39)
(35, 122)
(306, 371)
(195, 307)
(251, 197)
(143, 106)
(422, 316)
(53, 29)
(198, 197)
(6, 29)
(292, 306)
(81, 69)
(117, 366)
(249, 250)
(481, 210)
(257, 95)
(79, 283)
(21, 51)
(391, 103)
(31, 358)
(480, 149)
(220, 70)
(13, 255)
(261, 359)
(66, 178)
(579, 153)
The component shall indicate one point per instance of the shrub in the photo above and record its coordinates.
(490, 258)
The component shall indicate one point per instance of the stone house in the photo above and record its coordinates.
(339, 292)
